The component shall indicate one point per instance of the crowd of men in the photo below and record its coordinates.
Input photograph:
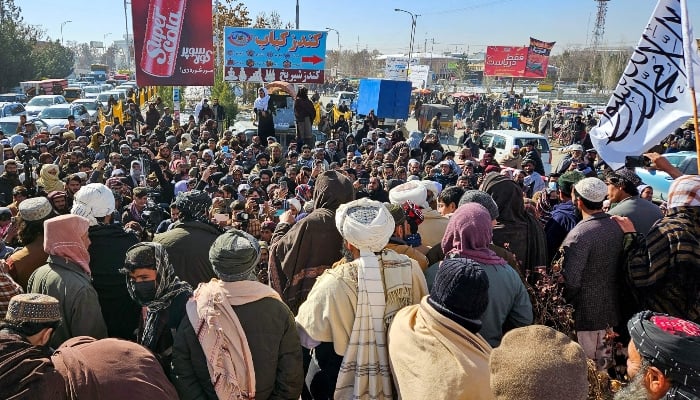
(158, 260)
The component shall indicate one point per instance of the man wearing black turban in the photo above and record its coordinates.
(664, 358)
(188, 242)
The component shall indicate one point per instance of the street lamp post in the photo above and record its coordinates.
(337, 68)
(104, 40)
(414, 17)
(62, 24)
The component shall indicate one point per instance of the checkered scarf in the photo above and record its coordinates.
(684, 192)
(364, 372)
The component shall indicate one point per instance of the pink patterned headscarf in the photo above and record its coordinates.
(469, 234)
(67, 236)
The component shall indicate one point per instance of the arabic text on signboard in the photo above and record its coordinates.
(265, 55)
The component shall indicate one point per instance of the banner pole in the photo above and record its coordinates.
(695, 125)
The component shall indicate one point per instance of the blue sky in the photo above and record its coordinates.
(452, 24)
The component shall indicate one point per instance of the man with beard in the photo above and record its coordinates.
(73, 184)
(70, 167)
(533, 181)
(58, 201)
(664, 358)
(8, 180)
(376, 191)
(589, 261)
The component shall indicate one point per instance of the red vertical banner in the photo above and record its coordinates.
(173, 42)
(507, 61)
(538, 58)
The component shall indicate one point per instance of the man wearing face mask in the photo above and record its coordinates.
(152, 282)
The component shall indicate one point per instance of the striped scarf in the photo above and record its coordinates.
(365, 371)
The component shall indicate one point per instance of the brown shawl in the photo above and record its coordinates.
(516, 230)
(106, 369)
(312, 245)
(26, 371)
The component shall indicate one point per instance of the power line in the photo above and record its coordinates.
(475, 6)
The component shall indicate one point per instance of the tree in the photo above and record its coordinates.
(51, 60)
(272, 21)
(222, 91)
(15, 46)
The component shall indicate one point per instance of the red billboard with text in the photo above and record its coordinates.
(173, 42)
(507, 61)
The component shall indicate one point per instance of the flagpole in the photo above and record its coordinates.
(695, 125)
(689, 46)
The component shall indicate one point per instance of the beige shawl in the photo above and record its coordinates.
(336, 312)
(433, 357)
(222, 337)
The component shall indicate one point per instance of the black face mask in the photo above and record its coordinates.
(145, 292)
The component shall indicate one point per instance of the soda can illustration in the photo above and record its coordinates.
(162, 40)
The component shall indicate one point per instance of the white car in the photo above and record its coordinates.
(58, 115)
(94, 107)
(91, 91)
(504, 140)
(38, 103)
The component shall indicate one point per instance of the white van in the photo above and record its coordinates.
(504, 140)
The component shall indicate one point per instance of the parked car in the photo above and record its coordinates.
(13, 98)
(104, 96)
(58, 115)
(685, 161)
(93, 106)
(91, 91)
(504, 140)
(8, 125)
(38, 103)
(9, 109)
(73, 93)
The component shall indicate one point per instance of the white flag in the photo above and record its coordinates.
(653, 97)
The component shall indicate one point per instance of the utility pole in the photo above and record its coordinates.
(297, 14)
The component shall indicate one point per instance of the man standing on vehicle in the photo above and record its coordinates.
(219, 114)
(435, 122)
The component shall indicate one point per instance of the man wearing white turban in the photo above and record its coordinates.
(434, 224)
(347, 313)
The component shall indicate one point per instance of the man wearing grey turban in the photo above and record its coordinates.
(224, 349)
(347, 312)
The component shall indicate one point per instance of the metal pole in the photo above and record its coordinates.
(62, 24)
(340, 51)
(128, 47)
(297, 14)
(414, 17)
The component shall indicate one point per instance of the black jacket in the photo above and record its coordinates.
(108, 246)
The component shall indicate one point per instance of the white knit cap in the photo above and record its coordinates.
(592, 189)
(365, 223)
(294, 203)
(93, 200)
(413, 191)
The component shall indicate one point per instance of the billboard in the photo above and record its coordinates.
(419, 75)
(174, 46)
(266, 55)
(395, 67)
(538, 58)
(505, 61)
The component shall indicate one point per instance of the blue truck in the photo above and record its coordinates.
(389, 99)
